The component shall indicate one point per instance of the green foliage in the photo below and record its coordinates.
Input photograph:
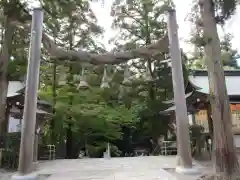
(139, 19)
(98, 148)
(229, 55)
(93, 117)
(18, 41)
(224, 9)
(90, 116)
(139, 23)
(11, 152)
(72, 21)
(15, 9)
(16, 69)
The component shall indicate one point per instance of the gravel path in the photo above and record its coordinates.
(135, 168)
(5, 176)
(204, 167)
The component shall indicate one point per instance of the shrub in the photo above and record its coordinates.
(11, 152)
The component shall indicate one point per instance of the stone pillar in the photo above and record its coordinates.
(107, 153)
(109, 150)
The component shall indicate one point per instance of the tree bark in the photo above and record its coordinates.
(5, 55)
(69, 133)
(105, 58)
(54, 95)
(149, 71)
(69, 142)
(225, 160)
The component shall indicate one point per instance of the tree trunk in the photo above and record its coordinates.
(6, 121)
(69, 142)
(225, 160)
(5, 55)
(210, 121)
(54, 95)
(210, 128)
(69, 133)
(151, 91)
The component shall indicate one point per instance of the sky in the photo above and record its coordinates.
(183, 8)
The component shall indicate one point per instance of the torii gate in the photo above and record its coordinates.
(25, 169)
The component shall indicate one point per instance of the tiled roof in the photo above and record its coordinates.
(199, 79)
(14, 88)
(16, 111)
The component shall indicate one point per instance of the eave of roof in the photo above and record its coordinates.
(172, 108)
(172, 100)
(14, 88)
(199, 80)
(205, 73)
(15, 110)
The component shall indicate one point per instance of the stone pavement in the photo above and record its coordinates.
(132, 168)
(129, 168)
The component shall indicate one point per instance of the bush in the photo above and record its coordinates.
(11, 152)
(98, 150)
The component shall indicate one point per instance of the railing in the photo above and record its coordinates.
(170, 148)
(51, 151)
(47, 152)
(166, 148)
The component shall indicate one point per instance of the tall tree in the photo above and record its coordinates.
(140, 23)
(214, 12)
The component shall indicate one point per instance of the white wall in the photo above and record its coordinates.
(190, 119)
(14, 125)
(237, 140)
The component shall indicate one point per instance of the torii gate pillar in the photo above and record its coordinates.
(184, 164)
(30, 104)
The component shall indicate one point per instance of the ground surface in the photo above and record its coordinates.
(132, 168)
